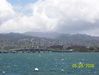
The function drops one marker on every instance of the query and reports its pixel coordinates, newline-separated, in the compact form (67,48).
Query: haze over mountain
(52,35)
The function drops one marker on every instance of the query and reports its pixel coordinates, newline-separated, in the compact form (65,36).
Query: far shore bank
(41,51)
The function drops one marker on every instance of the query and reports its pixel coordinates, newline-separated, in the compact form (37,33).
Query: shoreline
(42,51)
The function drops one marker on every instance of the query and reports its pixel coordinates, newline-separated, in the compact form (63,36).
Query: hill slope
(16,40)
(68,39)
(81,39)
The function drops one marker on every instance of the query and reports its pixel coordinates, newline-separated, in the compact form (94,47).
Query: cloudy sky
(65,16)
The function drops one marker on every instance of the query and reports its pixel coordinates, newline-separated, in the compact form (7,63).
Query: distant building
(56,46)
(76,46)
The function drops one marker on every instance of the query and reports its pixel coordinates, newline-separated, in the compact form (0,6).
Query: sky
(62,16)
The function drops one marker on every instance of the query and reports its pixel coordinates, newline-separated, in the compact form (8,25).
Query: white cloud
(51,15)
(6,10)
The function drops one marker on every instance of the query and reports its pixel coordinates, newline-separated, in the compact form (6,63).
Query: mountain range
(41,40)
(82,39)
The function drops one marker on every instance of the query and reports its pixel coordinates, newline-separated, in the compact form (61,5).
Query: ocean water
(48,63)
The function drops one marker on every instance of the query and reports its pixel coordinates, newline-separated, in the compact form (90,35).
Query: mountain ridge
(17,40)
(82,39)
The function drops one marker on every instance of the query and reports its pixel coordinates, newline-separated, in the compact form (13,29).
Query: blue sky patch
(21,2)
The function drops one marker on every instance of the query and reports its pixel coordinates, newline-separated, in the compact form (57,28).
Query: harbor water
(49,63)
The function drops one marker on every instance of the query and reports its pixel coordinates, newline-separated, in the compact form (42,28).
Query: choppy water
(48,63)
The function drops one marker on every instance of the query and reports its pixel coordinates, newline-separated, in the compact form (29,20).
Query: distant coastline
(42,51)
